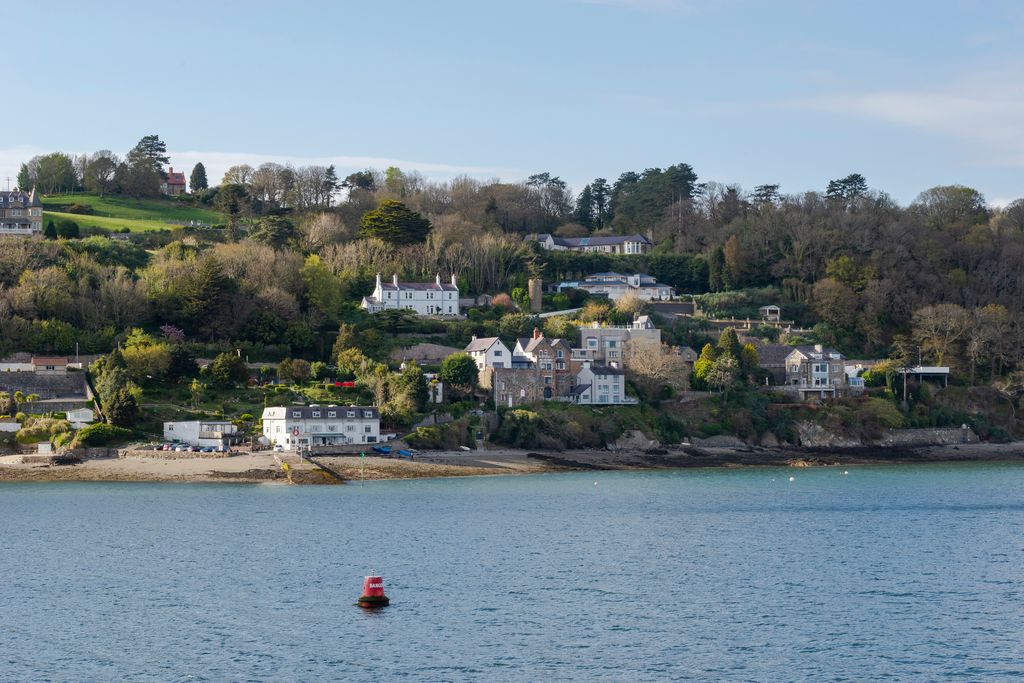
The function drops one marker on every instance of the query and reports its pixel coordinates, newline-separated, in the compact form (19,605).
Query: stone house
(21,213)
(175,183)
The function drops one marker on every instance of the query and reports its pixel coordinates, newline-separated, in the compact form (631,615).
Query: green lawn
(115,213)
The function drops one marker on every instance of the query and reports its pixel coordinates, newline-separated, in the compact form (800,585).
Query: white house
(80,417)
(489,352)
(601,385)
(202,433)
(50,365)
(300,426)
(425,298)
(615,286)
(9,424)
(606,244)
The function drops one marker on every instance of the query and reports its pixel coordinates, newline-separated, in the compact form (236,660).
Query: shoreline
(263,468)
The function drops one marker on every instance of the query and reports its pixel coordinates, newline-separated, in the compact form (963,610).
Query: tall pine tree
(197,181)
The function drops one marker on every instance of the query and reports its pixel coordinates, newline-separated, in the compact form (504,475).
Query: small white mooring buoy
(792,478)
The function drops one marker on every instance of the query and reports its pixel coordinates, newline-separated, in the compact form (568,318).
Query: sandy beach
(265,468)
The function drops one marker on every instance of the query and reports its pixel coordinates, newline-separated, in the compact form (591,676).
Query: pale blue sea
(885,573)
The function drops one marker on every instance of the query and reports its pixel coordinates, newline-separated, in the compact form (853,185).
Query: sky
(911,94)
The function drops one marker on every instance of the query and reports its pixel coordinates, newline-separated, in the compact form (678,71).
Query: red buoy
(373,592)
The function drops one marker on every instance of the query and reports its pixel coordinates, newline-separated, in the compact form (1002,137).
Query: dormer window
(316,413)
(351,413)
(296,413)
(332,413)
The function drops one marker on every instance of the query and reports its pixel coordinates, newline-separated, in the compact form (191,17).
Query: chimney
(378,281)
(454,283)
(437,279)
(536,333)
(394,279)
(818,348)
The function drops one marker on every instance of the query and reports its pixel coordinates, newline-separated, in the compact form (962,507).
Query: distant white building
(9,424)
(489,352)
(615,286)
(80,417)
(202,433)
(605,244)
(600,385)
(424,298)
(299,426)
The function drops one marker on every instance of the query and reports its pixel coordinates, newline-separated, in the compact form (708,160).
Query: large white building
(300,426)
(202,433)
(615,286)
(425,298)
(605,244)
(489,352)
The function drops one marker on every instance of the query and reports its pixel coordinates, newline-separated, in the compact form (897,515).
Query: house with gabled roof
(21,213)
(175,183)
(489,352)
(423,298)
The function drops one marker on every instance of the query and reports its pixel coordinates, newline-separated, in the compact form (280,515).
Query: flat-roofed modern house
(21,213)
(605,344)
(294,427)
(606,244)
(423,298)
(202,433)
(615,286)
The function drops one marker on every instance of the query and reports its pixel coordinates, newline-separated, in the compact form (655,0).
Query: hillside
(117,213)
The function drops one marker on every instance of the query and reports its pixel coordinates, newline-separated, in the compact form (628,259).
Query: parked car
(278,448)
(206,449)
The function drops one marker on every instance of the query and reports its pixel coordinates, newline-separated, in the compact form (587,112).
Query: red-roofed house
(49,364)
(175,183)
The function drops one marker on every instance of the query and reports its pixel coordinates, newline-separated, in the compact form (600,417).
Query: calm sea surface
(887,573)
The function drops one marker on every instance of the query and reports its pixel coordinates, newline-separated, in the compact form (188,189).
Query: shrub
(101,435)
(82,209)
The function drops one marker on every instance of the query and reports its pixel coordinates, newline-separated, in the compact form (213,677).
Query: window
(350,428)
(332,413)
(351,413)
(367,413)
(559,354)
(316,413)
(296,413)
(561,365)
(330,428)
(611,343)
(591,343)
(497,352)
(547,380)
(367,429)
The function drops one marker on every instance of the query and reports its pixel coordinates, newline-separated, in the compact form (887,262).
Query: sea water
(857,573)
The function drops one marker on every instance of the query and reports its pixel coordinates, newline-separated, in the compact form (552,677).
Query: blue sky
(911,94)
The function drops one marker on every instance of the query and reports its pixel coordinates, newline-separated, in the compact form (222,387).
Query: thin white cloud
(642,5)
(986,118)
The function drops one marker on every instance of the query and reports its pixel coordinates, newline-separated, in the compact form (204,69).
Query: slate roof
(419,286)
(307,412)
(596,241)
(481,344)
(605,370)
(773,355)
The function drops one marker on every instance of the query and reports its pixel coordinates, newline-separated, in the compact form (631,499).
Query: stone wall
(70,384)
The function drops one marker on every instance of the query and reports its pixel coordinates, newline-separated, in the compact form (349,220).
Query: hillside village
(295,310)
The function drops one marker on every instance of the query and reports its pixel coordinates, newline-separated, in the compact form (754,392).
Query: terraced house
(21,213)
(423,298)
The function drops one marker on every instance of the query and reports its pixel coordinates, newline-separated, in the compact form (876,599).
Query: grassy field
(116,213)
